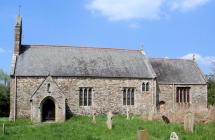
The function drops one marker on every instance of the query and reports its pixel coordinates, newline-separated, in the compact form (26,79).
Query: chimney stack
(18,35)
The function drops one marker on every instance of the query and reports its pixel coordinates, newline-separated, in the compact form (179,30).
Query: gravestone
(127,112)
(189,122)
(165,119)
(142,134)
(173,136)
(151,112)
(109,120)
(3,129)
(150,115)
(94,118)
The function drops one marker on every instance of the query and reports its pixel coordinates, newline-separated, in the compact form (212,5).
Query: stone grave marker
(142,134)
(189,122)
(109,120)
(173,136)
(128,114)
(94,118)
(150,115)
(3,129)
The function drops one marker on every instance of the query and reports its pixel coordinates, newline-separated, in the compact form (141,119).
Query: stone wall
(106,96)
(175,111)
(44,92)
(198,96)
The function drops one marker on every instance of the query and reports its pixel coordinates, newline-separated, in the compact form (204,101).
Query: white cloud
(126,9)
(185,5)
(140,9)
(206,60)
(135,26)
(2,50)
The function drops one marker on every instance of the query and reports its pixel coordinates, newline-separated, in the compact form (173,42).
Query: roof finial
(194,57)
(142,49)
(20,9)
(142,46)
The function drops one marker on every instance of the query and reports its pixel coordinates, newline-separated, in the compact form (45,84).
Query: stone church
(51,83)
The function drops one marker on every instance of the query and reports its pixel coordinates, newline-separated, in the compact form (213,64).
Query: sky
(163,28)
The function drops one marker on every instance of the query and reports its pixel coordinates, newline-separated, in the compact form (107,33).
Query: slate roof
(179,71)
(39,60)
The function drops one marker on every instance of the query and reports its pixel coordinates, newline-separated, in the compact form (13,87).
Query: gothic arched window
(143,87)
(147,86)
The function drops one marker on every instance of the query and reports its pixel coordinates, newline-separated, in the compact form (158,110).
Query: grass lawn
(81,128)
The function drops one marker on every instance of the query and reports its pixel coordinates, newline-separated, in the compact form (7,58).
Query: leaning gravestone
(165,119)
(189,122)
(142,134)
(173,136)
(127,112)
(109,120)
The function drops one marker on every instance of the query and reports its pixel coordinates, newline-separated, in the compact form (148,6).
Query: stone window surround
(89,102)
(132,95)
(48,88)
(145,86)
(183,95)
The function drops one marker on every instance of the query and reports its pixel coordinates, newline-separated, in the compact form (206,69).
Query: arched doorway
(48,110)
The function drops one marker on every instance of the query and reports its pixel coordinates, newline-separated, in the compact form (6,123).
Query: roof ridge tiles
(82,47)
(171,59)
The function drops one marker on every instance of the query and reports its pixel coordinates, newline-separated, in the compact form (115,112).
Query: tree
(214,69)
(211,92)
(4,77)
(4,101)
(211,87)
(4,94)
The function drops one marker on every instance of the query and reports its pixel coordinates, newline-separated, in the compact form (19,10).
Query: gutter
(169,83)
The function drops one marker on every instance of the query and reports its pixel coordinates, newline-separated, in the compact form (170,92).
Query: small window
(183,95)
(143,87)
(132,97)
(147,86)
(81,96)
(48,88)
(85,96)
(124,96)
(90,97)
(128,96)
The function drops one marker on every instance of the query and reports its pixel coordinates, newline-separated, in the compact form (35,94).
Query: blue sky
(167,28)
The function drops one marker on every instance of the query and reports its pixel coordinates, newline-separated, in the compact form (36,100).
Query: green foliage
(211,92)
(4,94)
(81,128)
(4,77)
(4,101)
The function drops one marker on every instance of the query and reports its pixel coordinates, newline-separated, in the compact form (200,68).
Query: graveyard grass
(81,128)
